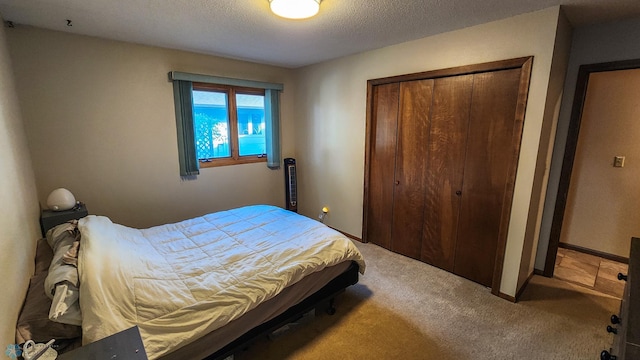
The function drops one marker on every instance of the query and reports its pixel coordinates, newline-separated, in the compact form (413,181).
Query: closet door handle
(397,182)
(458,192)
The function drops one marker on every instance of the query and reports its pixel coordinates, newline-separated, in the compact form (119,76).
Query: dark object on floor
(626,329)
(125,345)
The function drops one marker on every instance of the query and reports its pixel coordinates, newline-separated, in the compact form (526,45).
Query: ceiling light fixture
(295,9)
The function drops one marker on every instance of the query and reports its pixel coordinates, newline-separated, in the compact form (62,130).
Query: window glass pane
(251,140)
(211,122)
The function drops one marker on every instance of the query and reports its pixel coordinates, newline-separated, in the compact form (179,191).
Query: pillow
(65,307)
(33,321)
(61,285)
(44,255)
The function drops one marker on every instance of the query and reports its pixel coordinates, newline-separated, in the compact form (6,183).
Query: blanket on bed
(179,281)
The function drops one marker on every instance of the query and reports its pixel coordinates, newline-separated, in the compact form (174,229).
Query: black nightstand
(50,218)
(125,345)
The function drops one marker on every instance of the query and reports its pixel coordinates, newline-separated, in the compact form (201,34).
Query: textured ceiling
(246,29)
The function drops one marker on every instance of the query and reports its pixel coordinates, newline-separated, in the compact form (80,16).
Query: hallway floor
(590,271)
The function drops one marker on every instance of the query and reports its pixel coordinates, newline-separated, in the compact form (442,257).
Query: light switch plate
(618,161)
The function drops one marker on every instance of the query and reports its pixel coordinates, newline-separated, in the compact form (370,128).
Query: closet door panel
(382,164)
(445,158)
(411,166)
(489,158)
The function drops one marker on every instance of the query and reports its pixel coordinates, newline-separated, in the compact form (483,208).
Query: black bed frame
(323,296)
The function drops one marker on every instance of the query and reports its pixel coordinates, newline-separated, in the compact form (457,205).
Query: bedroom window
(229,124)
(222,121)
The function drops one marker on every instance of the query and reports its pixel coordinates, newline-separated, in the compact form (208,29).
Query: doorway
(565,205)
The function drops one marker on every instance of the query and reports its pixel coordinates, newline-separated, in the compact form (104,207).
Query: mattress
(178,282)
(290,296)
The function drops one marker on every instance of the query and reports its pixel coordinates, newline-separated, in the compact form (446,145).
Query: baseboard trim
(603,255)
(519,293)
(538,272)
(526,282)
(352,237)
(506,297)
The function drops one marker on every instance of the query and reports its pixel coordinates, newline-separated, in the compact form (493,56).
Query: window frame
(232,111)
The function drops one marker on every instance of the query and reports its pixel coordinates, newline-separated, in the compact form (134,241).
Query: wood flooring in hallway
(590,271)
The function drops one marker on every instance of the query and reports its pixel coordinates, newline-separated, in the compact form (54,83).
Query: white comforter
(177,282)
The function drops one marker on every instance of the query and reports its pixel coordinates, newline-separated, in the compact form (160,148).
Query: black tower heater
(291,184)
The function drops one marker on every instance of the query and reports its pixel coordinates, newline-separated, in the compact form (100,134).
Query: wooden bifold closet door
(445,156)
(442,151)
(410,169)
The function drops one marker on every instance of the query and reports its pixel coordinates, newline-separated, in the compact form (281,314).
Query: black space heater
(291,184)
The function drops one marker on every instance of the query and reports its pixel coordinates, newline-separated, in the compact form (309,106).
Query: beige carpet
(404,309)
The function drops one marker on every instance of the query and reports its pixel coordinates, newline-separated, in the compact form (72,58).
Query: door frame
(525,64)
(575,120)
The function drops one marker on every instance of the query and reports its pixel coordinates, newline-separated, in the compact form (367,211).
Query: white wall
(100,120)
(590,45)
(543,163)
(19,214)
(331,107)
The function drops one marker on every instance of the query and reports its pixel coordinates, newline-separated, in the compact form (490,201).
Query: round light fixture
(295,9)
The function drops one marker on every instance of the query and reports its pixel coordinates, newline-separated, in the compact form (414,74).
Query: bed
(204,287)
